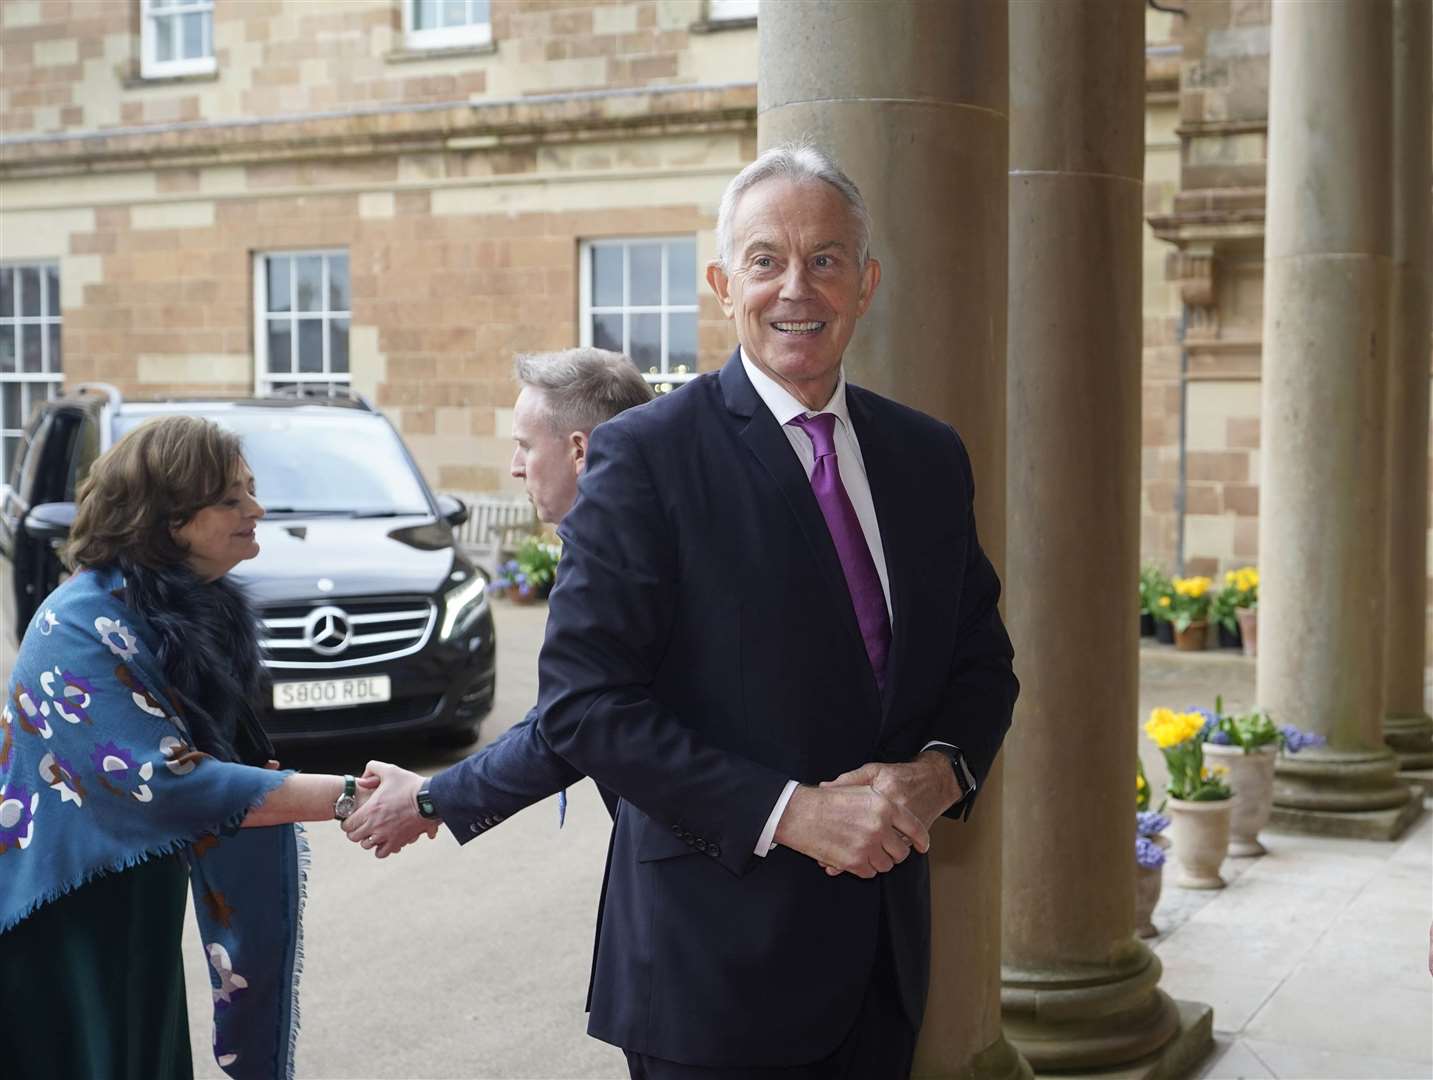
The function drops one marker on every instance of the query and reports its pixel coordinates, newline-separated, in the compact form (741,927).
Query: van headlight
(462,605)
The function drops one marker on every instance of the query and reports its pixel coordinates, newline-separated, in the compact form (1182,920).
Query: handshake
(864,822)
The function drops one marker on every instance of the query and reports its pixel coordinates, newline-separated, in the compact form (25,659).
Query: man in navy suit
(564,396)
(774,637)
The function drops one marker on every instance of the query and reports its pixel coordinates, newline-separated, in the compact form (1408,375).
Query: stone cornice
(576,117)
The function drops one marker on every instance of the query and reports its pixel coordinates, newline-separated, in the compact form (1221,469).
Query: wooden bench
(496,525)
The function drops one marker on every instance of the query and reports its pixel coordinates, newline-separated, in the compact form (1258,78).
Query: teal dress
(92,984)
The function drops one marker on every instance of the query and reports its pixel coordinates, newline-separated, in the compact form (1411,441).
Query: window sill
(716,26)
(137,81)
(410,55)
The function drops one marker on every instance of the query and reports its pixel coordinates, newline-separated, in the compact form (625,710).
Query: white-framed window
(447,24)
(301,312)
(639,297)
(30,360)
(728,10)
(176,37)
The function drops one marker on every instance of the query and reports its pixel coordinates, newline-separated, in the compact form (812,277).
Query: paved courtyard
(472,962)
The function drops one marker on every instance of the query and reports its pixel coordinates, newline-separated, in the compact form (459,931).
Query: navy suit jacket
(514,771)
(701,650)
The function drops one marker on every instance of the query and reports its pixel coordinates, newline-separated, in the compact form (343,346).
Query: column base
(1387,824)
(1332,781)
(1410,737)
(1176,1059)
(1084,1019)
(1420,780)
(998,1061)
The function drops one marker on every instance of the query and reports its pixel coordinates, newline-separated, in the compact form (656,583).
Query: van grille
(339,634)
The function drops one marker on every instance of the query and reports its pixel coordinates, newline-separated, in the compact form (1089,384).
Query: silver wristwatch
(346,804)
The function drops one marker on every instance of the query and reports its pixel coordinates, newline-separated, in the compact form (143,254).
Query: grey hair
(798,161)
(582,387)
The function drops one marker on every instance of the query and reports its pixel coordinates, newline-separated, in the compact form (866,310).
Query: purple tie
(856,563)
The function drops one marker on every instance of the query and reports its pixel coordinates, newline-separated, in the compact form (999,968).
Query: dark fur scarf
(208,643)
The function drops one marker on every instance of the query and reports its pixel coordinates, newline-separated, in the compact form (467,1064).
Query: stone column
(1407,728)
(910,98)
(1081,991)
(1323,514)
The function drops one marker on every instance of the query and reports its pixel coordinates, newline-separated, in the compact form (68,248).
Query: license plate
(332,693)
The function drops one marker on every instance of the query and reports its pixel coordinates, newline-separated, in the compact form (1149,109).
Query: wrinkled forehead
(780,211)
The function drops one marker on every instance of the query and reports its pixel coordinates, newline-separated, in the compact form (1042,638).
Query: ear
(577,447)
(870,278)
(721,285)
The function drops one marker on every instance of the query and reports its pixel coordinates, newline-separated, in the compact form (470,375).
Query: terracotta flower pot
(1148,883)
(1251,778)
(1249,629)
(1200,831)
(1192,638)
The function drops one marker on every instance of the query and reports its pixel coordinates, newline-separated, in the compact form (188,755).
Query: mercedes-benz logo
(327,630)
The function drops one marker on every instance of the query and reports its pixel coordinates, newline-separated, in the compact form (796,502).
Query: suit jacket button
(701,844)
(677,829)
(714,851)
(474,829)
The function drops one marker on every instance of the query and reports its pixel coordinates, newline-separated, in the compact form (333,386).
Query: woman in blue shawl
(131,765)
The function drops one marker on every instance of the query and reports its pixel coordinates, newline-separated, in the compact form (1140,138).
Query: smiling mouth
(799,329)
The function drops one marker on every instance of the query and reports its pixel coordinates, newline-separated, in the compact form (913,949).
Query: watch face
(345,806)
(425,805)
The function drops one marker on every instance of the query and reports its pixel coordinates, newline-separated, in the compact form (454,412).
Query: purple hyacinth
(1219,738)
(1296,740)
(1150,823)
(1147,853)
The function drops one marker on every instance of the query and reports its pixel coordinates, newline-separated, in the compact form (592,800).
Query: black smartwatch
(964,778)
(426,809)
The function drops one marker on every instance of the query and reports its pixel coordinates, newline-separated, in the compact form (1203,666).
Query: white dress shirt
(858,489)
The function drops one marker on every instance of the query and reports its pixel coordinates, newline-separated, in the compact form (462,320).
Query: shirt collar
(784,406)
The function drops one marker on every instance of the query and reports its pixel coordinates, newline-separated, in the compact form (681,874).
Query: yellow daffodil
(1193,587)
(1165,601)
(1139,783)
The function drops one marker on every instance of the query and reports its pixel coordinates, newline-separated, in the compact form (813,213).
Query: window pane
(10,407)
(53,330)
(338,283)
(164,38)
(606,275)
(280,359)
(30,290)
(311,345)
(425,14)
(645,261)
(338,345)
(7,291)
(155,5)
(278,275)
(309,271)
(8,448)
(7,350)
(30,348)
(607,332)
(194,35)
(682,342)
(647,343)
(482,11)
(455,12)
(52,290)
(33,394)
(682,272)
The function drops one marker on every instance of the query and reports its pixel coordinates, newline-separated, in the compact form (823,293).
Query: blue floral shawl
(98,773)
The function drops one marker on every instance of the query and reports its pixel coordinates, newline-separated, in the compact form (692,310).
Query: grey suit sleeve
(513,772)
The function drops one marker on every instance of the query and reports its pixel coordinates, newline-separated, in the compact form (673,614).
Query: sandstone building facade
(208,197)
